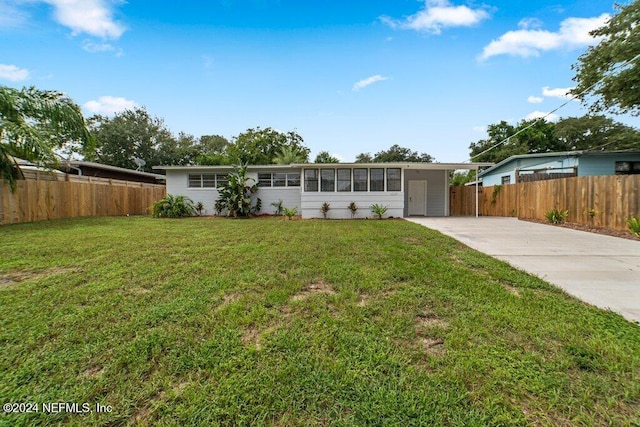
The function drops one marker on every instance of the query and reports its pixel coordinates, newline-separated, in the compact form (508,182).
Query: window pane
(208,180)
(311,180)
(293,179)
(377,180)
(264,180)
(222,179)
(195,180)
(393,179)
(328,180)
(344,179)
(359,180)
(279,179)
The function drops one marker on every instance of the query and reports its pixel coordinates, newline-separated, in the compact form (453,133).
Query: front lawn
(208,321)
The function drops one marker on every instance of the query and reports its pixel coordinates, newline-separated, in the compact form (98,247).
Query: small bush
(173,207)
(289,213)
(325,209)
(353,208)
(556,216)
(379,210)
(634,225)
(199,208)
(278,208)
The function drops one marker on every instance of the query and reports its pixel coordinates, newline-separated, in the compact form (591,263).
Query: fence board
(36,200)
(614,199)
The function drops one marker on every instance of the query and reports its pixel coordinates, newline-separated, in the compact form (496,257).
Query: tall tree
(364,158)
(260,146)
(325,157)
(33,123)
(610,70)
(213,150)
(127,135)
(596,132)
(289,155)
(397,153)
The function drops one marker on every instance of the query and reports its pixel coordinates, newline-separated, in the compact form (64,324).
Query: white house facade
(406,189)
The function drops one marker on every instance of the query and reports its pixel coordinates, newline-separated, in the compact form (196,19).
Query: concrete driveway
(601,270)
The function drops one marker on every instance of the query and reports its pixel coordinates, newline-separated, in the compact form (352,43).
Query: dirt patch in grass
(319,287)
(511,290)
(589,228)
(93,372)
(412,241)
(429,321)
(15,277)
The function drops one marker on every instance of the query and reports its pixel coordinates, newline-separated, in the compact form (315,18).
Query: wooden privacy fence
(41,200)
(601,201)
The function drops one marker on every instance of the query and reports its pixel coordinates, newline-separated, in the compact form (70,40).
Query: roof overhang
(402,165)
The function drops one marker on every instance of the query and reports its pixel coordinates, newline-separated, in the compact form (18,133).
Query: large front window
(376,180)
(394,179)
(311,180)
(327,179)
(344,179)
(360,179)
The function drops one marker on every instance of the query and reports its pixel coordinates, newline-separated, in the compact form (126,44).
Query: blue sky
(349,76)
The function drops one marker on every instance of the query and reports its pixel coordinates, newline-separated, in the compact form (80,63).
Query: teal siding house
(537,167)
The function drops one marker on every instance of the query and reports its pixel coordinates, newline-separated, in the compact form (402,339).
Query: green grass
(267,322)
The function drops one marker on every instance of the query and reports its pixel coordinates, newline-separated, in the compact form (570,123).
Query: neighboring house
(98,170)
(536,167)
(405,188)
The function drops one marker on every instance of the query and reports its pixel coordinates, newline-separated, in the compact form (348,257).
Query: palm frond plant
(237,195)
(173,207)
(33,123)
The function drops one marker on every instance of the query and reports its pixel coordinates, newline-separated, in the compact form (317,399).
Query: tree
(610,70)
(325,157)
(180,151)
(288,155)
(131,134)
(33,123)
(364,158)
(260,146)
(596,132)
(213,150)
(401,154)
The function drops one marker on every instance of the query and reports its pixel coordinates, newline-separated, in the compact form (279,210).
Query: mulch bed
(590,229)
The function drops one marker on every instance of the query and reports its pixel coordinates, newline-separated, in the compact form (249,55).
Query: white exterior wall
(338,202)
(178,184)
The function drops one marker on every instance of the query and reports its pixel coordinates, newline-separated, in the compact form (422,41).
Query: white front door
(417,198)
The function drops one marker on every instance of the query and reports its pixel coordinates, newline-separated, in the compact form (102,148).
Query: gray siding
(437,190)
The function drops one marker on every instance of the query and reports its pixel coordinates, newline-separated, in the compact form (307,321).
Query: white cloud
(539,114)
(557,92)
(94,17)
(92,47)
(527,42)
(10,15)
(13,73)
(109,105)
(439,14)
(535,99)
(369,81)
(530,24)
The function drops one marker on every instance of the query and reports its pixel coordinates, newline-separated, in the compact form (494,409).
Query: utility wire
(573,98)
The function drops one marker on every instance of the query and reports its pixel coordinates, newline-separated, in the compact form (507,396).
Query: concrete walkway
(601,270)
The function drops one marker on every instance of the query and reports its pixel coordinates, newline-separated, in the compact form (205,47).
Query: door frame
(410,195)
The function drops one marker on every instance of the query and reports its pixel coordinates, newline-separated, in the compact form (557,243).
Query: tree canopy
(395,153)
(261,146)
(33,123)
(609,72)
(589,132)
(325,157)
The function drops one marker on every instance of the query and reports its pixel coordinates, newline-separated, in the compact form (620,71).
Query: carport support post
(477,191)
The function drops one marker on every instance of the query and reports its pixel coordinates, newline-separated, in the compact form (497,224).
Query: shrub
(556,216)
(379,210)
(278,207)
(237,195)
(173,207)
(199,208)
(325,209)
(289,213)
(353,208)
(634,225)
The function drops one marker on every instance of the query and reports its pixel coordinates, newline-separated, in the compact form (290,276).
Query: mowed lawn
(207,321)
